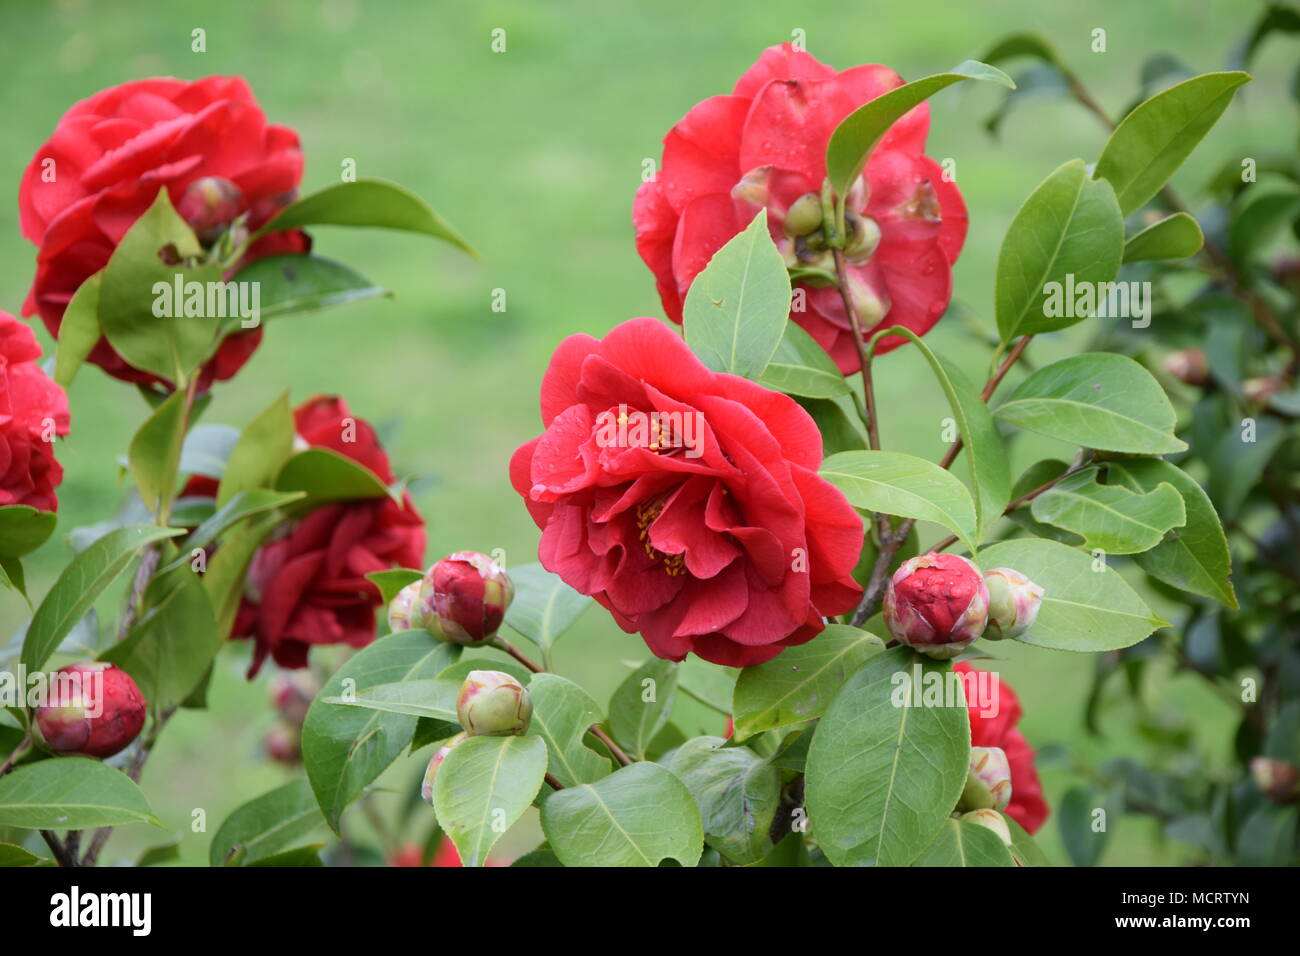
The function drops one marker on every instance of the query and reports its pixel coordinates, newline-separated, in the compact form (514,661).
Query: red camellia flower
(206,142)
(308,586)
(1027,807)
(685,501)
(33,409)
(764,146)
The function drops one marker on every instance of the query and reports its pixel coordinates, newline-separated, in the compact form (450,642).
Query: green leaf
(960,843)
(346,748)
(986,454)
(562,712)
(801,367)
(1259,222)
(711,684)
(245,504)
(1023,848)
(1174,237)
(226,575)
(738,794)
(168,346)
(1239,459)
(544,606)
(328,476)
(298,856)
(23,529)
(1075,817)
(171,647)
(1087,605)
(70,793)
(1196,558)
(292,284)
(155,451)
(859,132)
(159,854)
(14,577)
(799,684)
(838,432)
(367,202)
(206,450)
(266,825)
(1098,400)
(79,584)
(737,309)
(483,786)
(263,448)
(884,771)
(642,704)
(640,815)
(12,855)
(903,485)
(392,581)
(78,331)
(1150,144)
(1070,226)
(434,698)
(1111,518)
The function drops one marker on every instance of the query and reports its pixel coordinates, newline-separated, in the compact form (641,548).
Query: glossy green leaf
(263,448)
(328,476)
(799,684)
(1175,237)
(70,793)
(640,815)
(1087,605)
(859,132)
(884,770)
(1150,144)
(711,684)
(737,309)
(12,855)
(959,843)
(292,284)
(1023,848)
(738,794)
(266,825)
(155,451)
(433,697)
(78,331)
(801,367)
(903,485)
(544,606)
(23,529)
(78,586)
(483,786)
(1098,400)
(367,202)
(392,581)
(642,704)
(562,712)
(1111,518)
(244,505)
(1069,231)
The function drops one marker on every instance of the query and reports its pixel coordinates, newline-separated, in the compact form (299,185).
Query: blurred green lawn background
(534,154)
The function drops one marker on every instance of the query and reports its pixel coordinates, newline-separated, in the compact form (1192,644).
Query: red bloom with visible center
(33,409)
(206,142)
(309,585)
(1027,807)
(687,502)
(764,146)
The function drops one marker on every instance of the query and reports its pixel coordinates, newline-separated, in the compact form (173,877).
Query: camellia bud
(1189,366)
(990,819)
(292,693)
(804,216)
(284,745)
(426,786)
(1279,780)
(94,709)
(988,783)
(864,236)
(1014,601)
(209,205)
(494,704)
(463,598)
(404,609)
(937,604)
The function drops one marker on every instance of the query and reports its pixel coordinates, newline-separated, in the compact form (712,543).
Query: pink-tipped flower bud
(1189,366)
(1279,780)
(988,783)
(209,205)
(284,745)
(404,609)
(494,704)
(990,819)
(94,709)
(292,693)
(1014,601)
(463,598)
(937,604)
(426,785)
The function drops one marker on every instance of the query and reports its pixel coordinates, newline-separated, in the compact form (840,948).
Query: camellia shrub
(720,489)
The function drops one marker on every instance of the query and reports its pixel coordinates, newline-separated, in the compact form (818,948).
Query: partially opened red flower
(685,501)
(33,410)
(764,146)
(1027,807)
(206,142)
